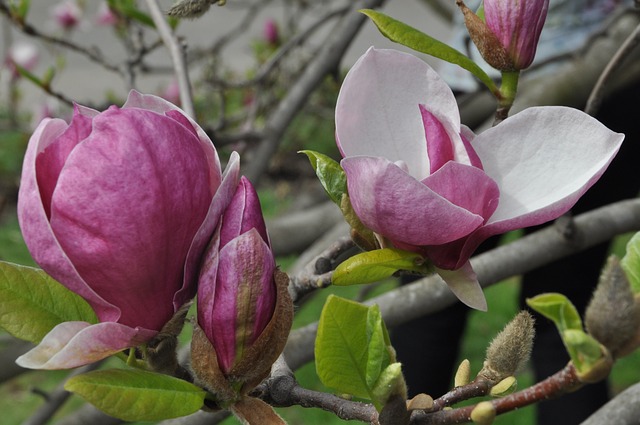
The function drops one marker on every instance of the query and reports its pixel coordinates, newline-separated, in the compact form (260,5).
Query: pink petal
(35,227)
(464,284)
(243,213)
(136,214)
(439,144)
(162,106)
(244,297)
(394,204)
(73,344)
(377,111)
(217,207)
(467,187)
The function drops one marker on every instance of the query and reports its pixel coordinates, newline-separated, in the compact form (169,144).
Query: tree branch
(325,62)
(431,294)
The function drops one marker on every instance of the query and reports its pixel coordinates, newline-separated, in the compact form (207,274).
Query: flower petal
(217,207)
(439,146)
(244,295)
(157,104)
(377,111)
(94,202)
(73,344)
(464,284)
(392,203)
(543,160)
(467,187)
(36,229)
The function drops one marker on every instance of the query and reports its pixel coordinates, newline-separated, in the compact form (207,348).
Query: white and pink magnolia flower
(119,207)
(426,183)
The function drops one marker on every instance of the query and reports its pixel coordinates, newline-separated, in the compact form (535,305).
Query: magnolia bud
(510,349)
(613,316)
(508,37)
(244,308)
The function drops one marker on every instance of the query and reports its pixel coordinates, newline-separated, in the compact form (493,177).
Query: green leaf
(352,350)
(373,266)
(20,8)
(557,308)
(406,35)
(137,395)
(331,175)
(128,9)
(583,349)
(391,381)
(32,303)
(631,263)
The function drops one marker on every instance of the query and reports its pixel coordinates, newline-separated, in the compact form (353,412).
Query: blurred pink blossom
(67,14)
(23,54)
(270,32)
(106,17)
(172,92)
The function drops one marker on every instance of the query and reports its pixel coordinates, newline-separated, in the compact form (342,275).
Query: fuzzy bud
(613,315)
(192,9)
(510,349)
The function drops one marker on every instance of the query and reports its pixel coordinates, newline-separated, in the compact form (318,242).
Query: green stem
(508,91)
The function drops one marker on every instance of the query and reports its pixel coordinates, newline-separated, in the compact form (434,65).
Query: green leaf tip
(137,395)
(33,303)
(330,174)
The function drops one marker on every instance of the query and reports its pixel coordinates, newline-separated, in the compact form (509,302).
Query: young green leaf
(630,263)
(557,308)
(406,35)
(583,349)
(32,303)
(137,395)
(330,174)
(373,266)
(353,351)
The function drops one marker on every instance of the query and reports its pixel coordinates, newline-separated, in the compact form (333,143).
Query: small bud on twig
(484,413)
(463,374)
(504,387)
(192,9)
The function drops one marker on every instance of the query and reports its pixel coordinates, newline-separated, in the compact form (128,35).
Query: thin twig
(177,57)
(597,94)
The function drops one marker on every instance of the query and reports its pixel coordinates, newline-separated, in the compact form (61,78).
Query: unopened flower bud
(508,37)
(271,33)
(613,315)
(510,349)
(244,308)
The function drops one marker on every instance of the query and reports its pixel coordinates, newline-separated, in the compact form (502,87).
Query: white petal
(464,284)
(543,160)
(378,113)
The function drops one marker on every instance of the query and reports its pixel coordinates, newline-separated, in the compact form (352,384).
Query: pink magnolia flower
(119,206)
(518,25)
(426,183)
(244,308)
(23,54)
(67,14)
